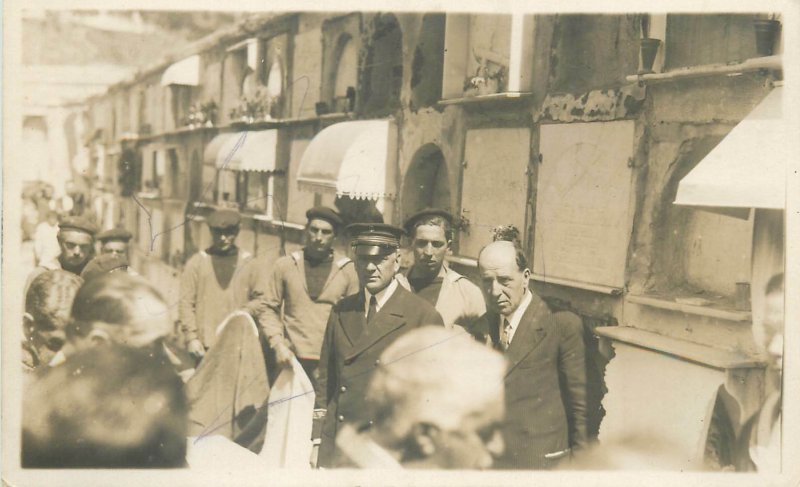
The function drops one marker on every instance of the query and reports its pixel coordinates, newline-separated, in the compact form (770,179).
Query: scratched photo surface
(402,240)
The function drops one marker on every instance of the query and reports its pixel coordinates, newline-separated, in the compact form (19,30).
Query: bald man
(546,417)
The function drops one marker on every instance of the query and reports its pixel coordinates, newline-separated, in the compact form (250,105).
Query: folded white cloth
(287,443)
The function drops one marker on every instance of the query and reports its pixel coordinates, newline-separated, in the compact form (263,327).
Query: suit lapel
(530,333)
(353,320)
(388,319)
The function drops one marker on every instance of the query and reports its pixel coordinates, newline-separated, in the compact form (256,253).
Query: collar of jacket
(338,259)
(449,275)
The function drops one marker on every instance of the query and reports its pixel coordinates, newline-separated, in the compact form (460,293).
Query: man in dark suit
(546,380)
(359,329)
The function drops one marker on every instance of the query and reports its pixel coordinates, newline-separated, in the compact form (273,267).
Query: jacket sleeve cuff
(316,425)
(276,340)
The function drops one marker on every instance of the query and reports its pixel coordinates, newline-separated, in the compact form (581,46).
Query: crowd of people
(416,367)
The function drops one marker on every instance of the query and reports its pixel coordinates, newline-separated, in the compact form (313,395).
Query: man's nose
(496,288)
(428,250)
(496,445)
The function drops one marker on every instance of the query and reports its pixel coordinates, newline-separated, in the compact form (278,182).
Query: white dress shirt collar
(517,315)
(381,297)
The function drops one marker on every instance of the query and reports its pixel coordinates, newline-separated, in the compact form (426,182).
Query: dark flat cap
(103,264)
(324,213)
(78,223)
(426,213)
(374,238)
(115,234)
(222,219)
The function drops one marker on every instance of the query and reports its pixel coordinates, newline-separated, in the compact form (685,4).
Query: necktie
(373,308)
(505,338)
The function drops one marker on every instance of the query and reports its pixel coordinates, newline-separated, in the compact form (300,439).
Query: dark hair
(775,284)
(106,407)
(110,298)
(510,233)
(50,297)
(436,221)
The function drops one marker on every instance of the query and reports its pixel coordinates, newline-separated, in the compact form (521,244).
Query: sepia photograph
(300,244)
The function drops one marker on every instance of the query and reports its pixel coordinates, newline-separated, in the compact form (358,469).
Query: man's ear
(526,274)
(99,337)
(28,324)
(424,437)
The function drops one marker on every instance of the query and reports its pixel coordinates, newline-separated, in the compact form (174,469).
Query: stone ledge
(682,349)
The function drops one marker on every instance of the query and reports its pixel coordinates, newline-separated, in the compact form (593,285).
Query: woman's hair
(110,299)
(424,376)
(50,297)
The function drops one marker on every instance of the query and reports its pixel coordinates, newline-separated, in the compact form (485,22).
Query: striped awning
(243,151)
(747,169)
(354,159)
(185,72)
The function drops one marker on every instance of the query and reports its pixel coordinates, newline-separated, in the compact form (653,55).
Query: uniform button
(377,362)
(343,388)
(340,418)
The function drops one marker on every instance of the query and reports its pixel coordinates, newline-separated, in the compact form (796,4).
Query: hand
(196,349)
(283,355)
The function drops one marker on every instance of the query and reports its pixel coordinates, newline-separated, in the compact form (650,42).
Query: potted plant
(648,47)
(766,32)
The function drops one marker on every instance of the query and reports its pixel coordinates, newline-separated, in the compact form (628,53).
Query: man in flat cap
(455,297)
(215,282)
(359,329)
(301,290)
(115,241)
(76,241)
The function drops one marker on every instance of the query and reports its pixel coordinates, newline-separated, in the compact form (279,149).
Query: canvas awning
(748,168)
(185,72)
(354,159)
(243,151)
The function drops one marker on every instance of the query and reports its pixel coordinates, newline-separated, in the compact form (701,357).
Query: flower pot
(766,31)
(649,49)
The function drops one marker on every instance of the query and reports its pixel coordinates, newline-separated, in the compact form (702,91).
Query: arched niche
(383,68)
(346,77)
(427,181)
(428,62)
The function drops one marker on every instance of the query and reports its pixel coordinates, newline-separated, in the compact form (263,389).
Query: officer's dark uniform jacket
(350,352)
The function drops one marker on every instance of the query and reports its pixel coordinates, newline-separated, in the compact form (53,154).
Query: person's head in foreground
(104,264)
(768,333)
(377,255)
(504,272)
(106,407)
(437,400)
(117,308)
(47,310)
